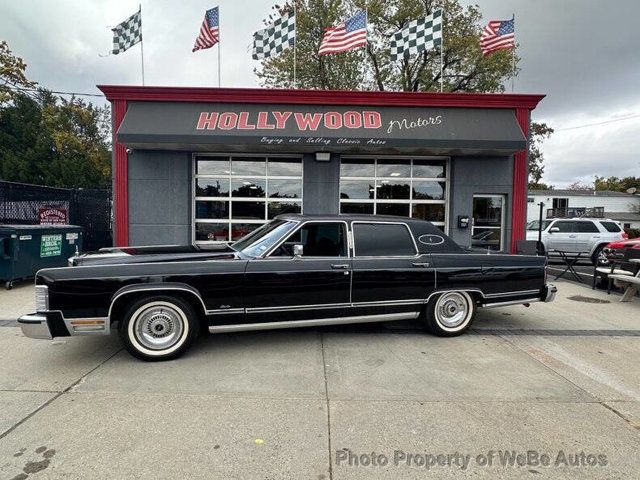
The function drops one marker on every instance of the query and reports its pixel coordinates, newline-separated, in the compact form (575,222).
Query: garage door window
(235,195)
(405,187)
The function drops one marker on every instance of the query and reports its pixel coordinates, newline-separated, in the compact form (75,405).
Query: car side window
(587,227)
(322,239)
(611,227)
(564,226)
(382,240)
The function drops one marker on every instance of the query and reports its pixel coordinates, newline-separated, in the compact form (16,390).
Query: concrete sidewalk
(558,379)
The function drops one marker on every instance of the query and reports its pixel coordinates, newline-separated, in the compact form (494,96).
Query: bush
(633,232)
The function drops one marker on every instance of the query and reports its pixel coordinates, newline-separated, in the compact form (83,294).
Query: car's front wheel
(449,313)
(159,328)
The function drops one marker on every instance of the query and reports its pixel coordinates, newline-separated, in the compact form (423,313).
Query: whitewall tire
(159,328)
(450,313)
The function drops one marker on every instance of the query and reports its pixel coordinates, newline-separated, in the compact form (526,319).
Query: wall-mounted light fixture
(323,157)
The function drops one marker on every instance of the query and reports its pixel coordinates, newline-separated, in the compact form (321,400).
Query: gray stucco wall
(471,176)
(321,185)
(159,198)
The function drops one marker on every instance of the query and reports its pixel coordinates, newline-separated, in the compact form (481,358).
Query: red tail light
(625,236)
(615,245)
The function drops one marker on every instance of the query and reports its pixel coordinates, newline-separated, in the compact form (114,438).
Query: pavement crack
(326,396)
(631,423)
(57,395)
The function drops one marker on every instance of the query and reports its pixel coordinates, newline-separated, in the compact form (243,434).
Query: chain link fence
(22,204)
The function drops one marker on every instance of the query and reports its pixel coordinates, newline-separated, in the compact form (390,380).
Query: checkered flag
(419,35)
(128,33)
(275,38)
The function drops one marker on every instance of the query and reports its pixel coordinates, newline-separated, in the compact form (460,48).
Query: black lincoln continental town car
(295,271)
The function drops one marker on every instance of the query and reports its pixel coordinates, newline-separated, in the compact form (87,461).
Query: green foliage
(47,140)
(540,186)
(465,68)
(617,184)
(51,141)
(578,185)
(538,132)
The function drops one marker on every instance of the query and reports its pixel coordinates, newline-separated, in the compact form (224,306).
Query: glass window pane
(587,227)
(394,168)
(280,208)
(285,167)
(382,240)
(285,188)
(252,187)
(487,211)
(212,187)
(208,232)
(486,238)
(248,210)
(357,208)
(433,212)
(248,166)
(390,190)
(206,209)
(564,226)
(428,190)
(398,209)
(356,189)
(357,167)
(239,230)
(428,169)
(218,166)
(317,240)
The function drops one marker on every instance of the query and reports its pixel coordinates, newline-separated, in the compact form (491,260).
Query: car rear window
(610,226)
(382,240)
(587,227)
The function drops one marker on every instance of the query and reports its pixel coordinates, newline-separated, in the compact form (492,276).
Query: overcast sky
(583,54)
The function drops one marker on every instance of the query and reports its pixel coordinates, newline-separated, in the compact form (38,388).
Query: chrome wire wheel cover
(453,309)
(159,326)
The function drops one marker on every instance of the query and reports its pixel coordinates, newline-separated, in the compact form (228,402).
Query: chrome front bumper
(550,293)
(48,325)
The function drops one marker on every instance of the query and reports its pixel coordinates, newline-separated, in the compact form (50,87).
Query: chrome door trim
(314,322)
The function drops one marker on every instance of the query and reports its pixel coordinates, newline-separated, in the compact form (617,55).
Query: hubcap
(452,309)
(159,327)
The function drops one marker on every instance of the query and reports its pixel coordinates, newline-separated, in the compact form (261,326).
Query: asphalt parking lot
(557,383)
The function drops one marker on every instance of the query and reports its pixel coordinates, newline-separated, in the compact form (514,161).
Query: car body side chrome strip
(313,323)
(512,302)
(511,294)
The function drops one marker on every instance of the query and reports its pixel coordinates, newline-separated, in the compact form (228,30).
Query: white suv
(576,234)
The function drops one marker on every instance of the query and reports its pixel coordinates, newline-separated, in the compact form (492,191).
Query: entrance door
(488,222)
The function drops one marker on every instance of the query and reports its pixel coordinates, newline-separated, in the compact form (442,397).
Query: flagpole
(513,55)
(442,56)
(141,44)
(219,46)
(295,44)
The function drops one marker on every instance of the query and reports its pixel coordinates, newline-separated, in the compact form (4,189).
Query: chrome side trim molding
(512,294)
(224,311)
(288,308)
(158,287)
(512,302)
(313,323)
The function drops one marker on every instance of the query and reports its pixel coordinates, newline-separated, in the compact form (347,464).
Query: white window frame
(230,221)
(410,201)
(503,217)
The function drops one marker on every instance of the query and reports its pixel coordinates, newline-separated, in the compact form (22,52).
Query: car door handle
(420,264)
(339,266)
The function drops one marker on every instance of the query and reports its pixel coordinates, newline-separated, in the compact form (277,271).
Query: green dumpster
(25,249)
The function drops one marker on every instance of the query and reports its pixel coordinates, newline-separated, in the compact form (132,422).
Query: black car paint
(238,289)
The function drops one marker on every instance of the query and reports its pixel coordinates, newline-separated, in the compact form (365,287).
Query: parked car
(295,271)
(616,249)
(586,235)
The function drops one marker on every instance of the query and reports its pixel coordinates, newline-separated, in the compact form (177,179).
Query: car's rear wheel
(596,257)
(159,328)
(449,313)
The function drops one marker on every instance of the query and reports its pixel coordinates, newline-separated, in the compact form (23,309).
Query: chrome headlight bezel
(42,298)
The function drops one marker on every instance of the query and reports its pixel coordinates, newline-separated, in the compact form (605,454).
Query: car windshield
(263,238)
(536,223)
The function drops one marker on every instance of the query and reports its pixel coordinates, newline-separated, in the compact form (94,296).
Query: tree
(617,184)
(579,186)
(538,132)
(12,74)
(371,68)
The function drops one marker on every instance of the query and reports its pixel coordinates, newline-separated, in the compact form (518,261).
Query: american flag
(350,34)
(209,31)
(498,35)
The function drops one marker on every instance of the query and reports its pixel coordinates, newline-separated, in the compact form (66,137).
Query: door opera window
(234,195)
(395,186)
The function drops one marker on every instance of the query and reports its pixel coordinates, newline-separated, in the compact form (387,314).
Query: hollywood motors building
(203,165)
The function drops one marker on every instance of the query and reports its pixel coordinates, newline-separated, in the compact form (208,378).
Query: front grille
(42,298)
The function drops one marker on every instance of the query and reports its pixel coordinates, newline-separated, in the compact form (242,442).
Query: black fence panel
(22,203)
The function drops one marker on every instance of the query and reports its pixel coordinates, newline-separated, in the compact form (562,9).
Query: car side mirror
(554,230)
(298,250)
